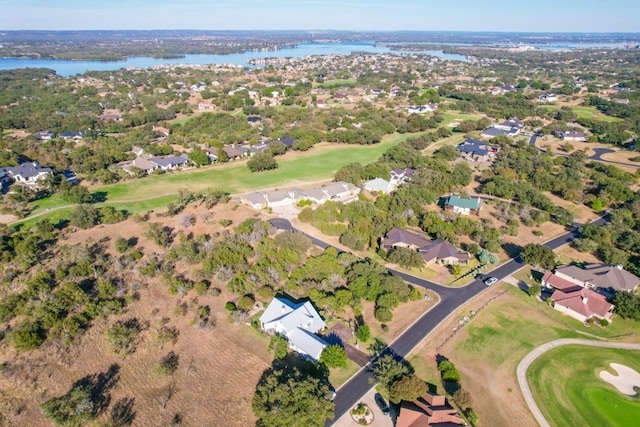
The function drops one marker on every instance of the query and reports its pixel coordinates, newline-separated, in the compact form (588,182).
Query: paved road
(450,300)
(539,351)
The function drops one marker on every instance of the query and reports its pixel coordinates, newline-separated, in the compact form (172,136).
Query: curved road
(539,351)
(450,300)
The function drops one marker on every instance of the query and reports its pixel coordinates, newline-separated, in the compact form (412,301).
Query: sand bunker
(625,381)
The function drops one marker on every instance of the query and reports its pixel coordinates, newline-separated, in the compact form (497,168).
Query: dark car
(382,404)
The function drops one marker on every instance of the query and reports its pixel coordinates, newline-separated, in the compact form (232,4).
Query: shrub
(604,322)
(383,314)
(363,333)
(201,288)
(334,356)
(122,244)
(230,307)
(246,303)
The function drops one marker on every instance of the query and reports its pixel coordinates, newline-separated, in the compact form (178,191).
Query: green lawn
(328,84)
(566,384)
(451,116)
(586,113)
(156,191)
(338,376)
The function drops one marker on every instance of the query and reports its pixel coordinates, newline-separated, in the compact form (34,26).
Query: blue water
(70,68)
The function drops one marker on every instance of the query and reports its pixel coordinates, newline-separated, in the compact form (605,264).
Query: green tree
(28,335)
(199,157)
(627,305)
(540,255)
(407,388)
(363,333)
(122,244)
(387,369)
(278,346)
(84,216)
(262,162)
(121,337)
(75,408)
(290,397)
(334,356)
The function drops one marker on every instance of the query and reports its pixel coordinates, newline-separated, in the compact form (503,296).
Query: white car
(490,281)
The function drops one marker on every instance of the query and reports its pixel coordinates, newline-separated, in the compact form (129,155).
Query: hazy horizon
(571,16)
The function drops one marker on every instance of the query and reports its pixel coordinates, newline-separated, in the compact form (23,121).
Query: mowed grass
(567,387)
(490,347)
(586,113)
(319,163)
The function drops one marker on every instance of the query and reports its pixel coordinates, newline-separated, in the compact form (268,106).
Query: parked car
(382,404)
(490,281)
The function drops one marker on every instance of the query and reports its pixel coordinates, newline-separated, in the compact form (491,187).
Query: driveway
(379,420)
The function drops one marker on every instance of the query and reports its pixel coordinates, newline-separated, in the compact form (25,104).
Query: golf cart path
(523,366)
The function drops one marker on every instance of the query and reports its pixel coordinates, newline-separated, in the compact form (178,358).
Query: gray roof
(603,276)
(26,170)
(169,161)
(337,188)
(441,249)
(307,343)
(378,184)
(398,235)
(491,132)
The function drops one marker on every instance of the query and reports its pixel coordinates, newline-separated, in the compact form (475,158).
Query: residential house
(232,153)
(315,195)
(572,135)
(70,136)
(379,185)
(582,303)
(548,97)
(29,173)
(145,164)
(421,109)
(510,127)
(298,322)
(138,151)
(604,278)
(401,175)
(340,191)
(442,252)
(170,162)
(477,151)
(398,237)
(44,135)
(212,154)
(257,199)
(426,411)
(288,141)
(463,205)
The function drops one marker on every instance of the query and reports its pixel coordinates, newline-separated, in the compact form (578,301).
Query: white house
(299,323)
(379,185)
(29,173)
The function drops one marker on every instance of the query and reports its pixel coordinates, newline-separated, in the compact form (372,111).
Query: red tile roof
(558,282)
(426,411)
(583,301)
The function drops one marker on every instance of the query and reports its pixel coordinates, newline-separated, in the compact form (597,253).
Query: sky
(383,15)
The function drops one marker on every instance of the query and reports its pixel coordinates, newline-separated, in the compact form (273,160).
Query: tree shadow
(122,413)
(100,386)
(512,249)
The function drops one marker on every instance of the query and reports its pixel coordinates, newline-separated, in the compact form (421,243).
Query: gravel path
(539,351)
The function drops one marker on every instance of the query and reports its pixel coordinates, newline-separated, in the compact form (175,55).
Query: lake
(71,67)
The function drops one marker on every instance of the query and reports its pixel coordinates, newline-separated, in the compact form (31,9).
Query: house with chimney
(426,411)
(605,279)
